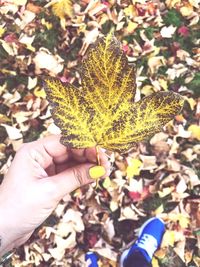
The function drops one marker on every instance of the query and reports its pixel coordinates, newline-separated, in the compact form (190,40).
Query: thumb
(76,176)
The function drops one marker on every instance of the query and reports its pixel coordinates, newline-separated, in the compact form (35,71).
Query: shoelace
(148,243)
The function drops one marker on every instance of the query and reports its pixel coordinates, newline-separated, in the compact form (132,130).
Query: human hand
(41,174)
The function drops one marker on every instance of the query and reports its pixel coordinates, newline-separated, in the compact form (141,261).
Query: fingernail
(96,172)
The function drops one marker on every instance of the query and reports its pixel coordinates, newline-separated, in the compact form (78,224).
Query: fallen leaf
(155,262)
(62,8)
(181,186)
(155,63)
(167,32)
(19,2)
(76,218)
(133,167)
(194,3)
(40,92)
(13,133)
(34,8)
(32,82)
(159,210)
(25,18)
(109,228)
(180,249)
(181,218)
(186,10)
(113,206)
(2,30)
(131,27)
(184,31)
(168,239)
(137,190)
(128,213)
(4,118)
(158,137)
(195,130)
(9,48)
(45,60)
(165,191)
(149,162)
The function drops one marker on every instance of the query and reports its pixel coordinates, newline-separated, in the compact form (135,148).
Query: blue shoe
(149,240)
(91,259)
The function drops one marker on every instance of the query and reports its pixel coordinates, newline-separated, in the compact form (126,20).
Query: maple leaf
(184,31)
(102,111)
(62,8)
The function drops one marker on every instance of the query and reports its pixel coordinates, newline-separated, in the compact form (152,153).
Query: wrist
(7,241)
(7,231)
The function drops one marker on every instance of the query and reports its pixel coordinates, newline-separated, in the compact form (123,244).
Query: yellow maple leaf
(131,27)
(102,112)
(155,262)
(195,130)
(2,30)
(133,168)
(183,219)
(62,8)
(168,239)
(172,3)
(39,92)
(186,10)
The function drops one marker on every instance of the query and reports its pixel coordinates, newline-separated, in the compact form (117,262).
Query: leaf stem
(98,157)
(98,163)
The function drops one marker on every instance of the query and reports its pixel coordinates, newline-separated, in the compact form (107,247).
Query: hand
(41,174)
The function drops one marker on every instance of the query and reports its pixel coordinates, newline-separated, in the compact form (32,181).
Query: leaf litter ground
(159,176)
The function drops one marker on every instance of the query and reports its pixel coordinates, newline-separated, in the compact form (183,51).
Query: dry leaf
(102,112)
(45,60)
(128,213)
(133,167)
(2,30)
(181,186)
(39,92)
(20,2)
(168,239)
(131,27)
(32,82)
(167,32)
(195,130)
(61,8)
(4,118)
(186,10)
(34,8)
(155,262)
(180,249)
(156,62)
(13,133)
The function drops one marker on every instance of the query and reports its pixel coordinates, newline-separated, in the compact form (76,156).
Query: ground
(160,176)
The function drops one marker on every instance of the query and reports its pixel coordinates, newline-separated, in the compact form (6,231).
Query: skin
(41,174)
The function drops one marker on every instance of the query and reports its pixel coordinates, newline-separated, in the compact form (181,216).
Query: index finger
(51,144)
(60,153)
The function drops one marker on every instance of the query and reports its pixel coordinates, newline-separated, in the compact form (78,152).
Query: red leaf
(183,31)
(92,239)
(11,38)
(137,196)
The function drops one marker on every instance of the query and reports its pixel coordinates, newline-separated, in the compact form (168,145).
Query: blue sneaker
(91,259)
(149,240)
